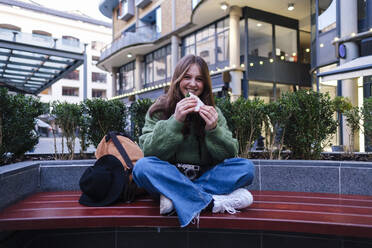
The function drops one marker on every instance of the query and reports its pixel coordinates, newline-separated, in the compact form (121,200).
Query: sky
(88,7)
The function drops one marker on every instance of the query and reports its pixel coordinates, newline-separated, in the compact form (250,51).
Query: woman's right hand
(184,107)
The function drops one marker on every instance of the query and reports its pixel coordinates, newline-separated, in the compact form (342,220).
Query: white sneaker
(166,205)
(238,199)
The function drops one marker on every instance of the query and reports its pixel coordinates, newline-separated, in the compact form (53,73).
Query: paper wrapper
(199,104)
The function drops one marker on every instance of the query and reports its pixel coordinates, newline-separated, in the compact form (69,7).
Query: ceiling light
(129,55)
(307,50)
(259,24)
(291,6)
(224,6)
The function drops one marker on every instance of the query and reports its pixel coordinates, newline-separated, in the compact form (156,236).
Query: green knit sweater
(163,139)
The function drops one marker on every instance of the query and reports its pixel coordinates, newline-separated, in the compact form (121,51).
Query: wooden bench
(316,213)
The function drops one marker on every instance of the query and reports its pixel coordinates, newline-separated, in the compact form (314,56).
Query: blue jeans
(191,197)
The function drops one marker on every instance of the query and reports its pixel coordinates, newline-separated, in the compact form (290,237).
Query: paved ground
(46,146)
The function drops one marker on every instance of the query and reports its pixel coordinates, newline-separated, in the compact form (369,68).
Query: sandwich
(199,104)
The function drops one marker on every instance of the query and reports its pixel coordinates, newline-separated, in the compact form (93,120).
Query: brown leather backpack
(128,152)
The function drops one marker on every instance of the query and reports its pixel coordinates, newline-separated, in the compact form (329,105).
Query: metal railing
(143,34)
(42,41)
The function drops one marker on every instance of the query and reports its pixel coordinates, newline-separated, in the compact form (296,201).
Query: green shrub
(17,124)
(277,116)
(247,117)
(104,116)
(342,104)
(67,117)
(353,117)
(83,131)
(138,111)
(226,107)
(311,122)
(367,118)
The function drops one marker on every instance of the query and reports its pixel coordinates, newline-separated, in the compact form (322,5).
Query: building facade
(342,55)
(257,48)
(28,19)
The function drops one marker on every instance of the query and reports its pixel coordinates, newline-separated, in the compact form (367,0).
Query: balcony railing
(43,41)
(142,3)
(143,34)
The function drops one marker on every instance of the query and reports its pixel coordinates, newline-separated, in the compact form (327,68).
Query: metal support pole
(85,77)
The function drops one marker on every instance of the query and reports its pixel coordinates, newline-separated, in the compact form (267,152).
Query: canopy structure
(359,67)
(30,63)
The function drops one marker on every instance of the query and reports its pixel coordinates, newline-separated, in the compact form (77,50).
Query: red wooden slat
(276,211)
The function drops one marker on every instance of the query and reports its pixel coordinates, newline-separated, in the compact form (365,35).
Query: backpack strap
(121,150)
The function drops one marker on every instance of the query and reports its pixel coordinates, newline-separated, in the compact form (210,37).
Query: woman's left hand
(210,116)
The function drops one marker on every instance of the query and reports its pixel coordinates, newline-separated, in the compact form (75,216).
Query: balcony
(126,10)
(142,3)
(143,34)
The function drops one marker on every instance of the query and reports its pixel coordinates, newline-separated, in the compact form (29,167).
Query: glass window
(282,89)
(149,69)
(286,44)
(98,93)
(223,40)
(74,75)
(70,91)
(242,39)
(327,15)
(98,77)
(143,70)
(159,64)
(262,90)
(127,76)
(158,20)
(169,62)
(260,38)
(205,44)
(305,44)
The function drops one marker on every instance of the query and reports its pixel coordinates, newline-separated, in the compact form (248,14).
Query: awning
(359,67)
(31,63)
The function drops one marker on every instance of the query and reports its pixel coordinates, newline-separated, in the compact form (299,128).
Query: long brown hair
(166,104)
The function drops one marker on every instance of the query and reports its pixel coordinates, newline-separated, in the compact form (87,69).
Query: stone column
(349,24)
(175,40)
(234,51)
(174,50)
(138,84)
(114,78)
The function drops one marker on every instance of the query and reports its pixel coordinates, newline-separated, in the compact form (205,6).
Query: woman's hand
(210,116)
(184,107)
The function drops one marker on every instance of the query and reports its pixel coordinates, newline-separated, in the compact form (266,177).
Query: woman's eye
(186,77)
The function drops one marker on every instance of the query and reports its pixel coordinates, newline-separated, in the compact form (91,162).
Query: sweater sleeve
(160,137)
(219,141)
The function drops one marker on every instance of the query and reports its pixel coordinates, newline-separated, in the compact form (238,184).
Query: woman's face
(192,81)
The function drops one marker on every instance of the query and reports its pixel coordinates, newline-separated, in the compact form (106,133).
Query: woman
(176,133)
